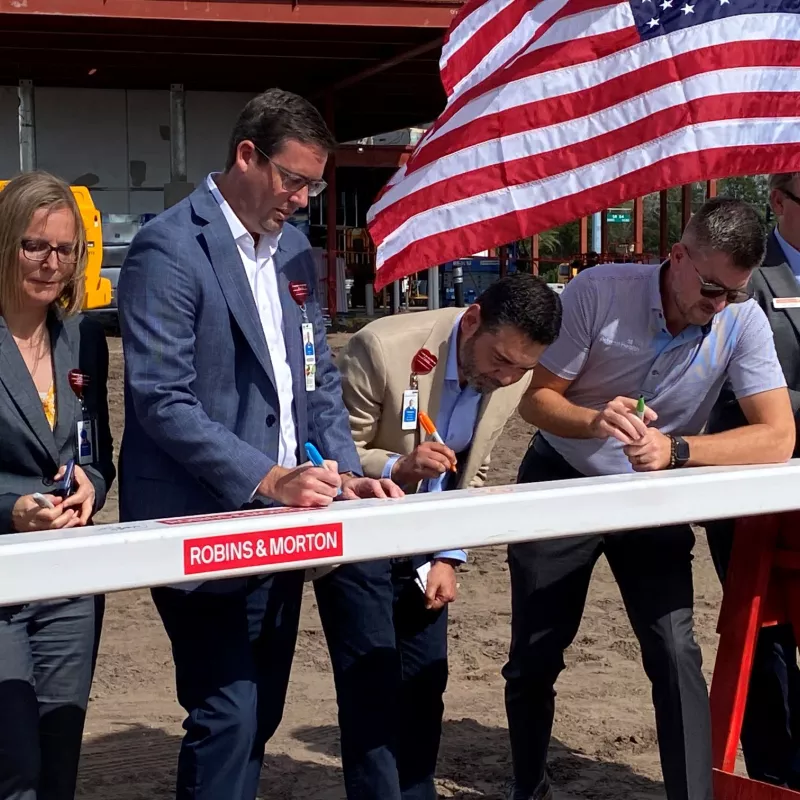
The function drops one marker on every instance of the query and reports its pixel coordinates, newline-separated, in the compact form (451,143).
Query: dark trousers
(45,675)
(549,583)
(771,727)
(233,655)
(389,657)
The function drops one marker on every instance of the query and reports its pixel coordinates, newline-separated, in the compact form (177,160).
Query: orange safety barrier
(762,588)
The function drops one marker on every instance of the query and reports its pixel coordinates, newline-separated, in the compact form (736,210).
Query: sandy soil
(604,740)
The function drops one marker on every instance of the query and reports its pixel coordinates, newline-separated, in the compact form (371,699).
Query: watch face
(682,450)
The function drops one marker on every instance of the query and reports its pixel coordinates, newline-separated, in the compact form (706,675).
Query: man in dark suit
(218,406)
(771,730)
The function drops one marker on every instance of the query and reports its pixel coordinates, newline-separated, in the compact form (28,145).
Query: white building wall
(117,141)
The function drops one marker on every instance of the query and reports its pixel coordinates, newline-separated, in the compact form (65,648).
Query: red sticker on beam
(262,548)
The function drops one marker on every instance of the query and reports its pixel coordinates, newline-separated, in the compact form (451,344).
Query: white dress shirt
(259,265)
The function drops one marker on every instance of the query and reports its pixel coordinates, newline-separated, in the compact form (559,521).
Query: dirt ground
(604,739)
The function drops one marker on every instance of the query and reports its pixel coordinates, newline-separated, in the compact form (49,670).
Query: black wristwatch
(679,451)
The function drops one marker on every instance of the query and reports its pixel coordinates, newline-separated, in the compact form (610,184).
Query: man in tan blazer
(387,637)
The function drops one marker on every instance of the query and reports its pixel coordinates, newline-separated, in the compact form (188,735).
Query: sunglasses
(713,291)
(792,196)
(291,181)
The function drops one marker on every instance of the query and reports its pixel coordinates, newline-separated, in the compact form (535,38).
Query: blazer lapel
(783,283)
(292,320)
(432,384)
(65,357)
(227,265)
(22,391)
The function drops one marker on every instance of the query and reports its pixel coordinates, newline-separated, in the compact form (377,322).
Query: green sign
(619,215)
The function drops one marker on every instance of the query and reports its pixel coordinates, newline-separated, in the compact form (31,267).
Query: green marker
(640,408)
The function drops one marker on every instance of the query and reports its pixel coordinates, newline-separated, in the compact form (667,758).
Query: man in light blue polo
(672,334)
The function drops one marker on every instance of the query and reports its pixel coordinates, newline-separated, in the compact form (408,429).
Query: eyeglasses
(713,291)
(792,196)
(38,250)
(293,182)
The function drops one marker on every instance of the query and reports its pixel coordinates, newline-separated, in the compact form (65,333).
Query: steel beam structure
(105,558)
(399,13)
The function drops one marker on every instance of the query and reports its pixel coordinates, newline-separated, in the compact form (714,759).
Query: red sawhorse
(762,588)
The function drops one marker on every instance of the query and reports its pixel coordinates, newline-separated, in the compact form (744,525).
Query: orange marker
(430,429)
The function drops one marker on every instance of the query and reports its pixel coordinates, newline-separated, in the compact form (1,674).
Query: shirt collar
(238,230)
(659,318)
(792,253)
(451,369)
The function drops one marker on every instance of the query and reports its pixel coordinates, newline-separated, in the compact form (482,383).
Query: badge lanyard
(86,426)
(422,363)
(299,292)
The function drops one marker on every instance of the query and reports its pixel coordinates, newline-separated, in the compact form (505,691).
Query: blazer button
(271,420)
(47,481)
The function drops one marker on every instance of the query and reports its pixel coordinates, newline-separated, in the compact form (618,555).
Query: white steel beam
(139,554)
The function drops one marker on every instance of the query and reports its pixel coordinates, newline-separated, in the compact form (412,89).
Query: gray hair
(782,180)
(729,226)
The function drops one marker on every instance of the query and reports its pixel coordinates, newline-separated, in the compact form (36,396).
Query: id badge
(779,303)
(86,437)
(309,356)
(410,410)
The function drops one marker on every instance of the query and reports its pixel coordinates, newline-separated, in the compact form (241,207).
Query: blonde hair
(22,197)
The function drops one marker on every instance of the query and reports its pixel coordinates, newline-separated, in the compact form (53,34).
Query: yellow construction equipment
(98,290)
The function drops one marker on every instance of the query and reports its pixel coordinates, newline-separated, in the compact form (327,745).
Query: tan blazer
(376,370)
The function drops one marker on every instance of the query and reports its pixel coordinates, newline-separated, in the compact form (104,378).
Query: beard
(484,384)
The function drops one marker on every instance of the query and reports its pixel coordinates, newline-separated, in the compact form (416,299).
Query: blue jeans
(389,657)
(233,654)
(45,673)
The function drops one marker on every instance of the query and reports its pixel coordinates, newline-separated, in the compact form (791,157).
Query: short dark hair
(274,117)
(730,226)
(524,302)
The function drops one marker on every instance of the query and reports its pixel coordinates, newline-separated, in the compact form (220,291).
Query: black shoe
(544,791)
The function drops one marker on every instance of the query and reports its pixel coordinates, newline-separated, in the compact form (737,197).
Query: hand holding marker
(430,429)
(640,408)
(315,457)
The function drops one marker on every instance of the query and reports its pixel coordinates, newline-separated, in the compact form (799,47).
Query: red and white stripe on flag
(560,108)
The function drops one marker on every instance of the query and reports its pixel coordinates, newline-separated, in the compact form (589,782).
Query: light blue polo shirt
(614,341)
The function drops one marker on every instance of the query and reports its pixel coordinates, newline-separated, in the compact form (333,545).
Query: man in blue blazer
(220,396)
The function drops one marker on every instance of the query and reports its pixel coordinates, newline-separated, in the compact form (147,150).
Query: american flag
(560,108)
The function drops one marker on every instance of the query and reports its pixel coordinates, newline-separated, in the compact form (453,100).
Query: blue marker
(315,457)
(69,472)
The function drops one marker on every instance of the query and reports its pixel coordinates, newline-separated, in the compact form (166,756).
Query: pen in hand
(430,429)
(315,457)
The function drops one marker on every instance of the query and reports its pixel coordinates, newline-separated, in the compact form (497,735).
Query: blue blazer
(201,406)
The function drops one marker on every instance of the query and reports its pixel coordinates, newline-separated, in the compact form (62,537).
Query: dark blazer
(31,452)
(774,279)
(202,419)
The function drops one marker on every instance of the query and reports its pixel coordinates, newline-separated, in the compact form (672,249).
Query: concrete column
(597,232)
(178,186)
(369,299)
(396,297)
(27,127)
(433,288)
(458,286)
(177,138)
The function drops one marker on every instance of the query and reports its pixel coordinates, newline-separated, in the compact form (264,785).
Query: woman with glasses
(55,470)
